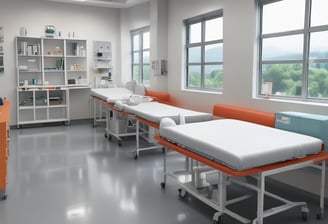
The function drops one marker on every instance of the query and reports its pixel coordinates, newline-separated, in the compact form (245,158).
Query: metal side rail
(140,134)
(219,203)
(98,109)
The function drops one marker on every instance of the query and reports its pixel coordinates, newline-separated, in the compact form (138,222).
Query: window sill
(202,91)
(307,103)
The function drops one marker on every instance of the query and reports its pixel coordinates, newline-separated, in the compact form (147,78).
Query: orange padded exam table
(148,116)
(117,124)
(234,149)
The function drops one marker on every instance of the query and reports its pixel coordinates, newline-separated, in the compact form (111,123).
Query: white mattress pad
(111,94)
(155,112)
(240,145)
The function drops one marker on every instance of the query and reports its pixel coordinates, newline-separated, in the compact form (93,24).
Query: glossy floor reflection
(73,174)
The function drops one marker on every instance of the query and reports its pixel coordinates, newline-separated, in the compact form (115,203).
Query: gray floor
(72,174)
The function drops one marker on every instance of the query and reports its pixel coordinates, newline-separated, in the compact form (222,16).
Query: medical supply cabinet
(42,105)
(304,123)
(103,55)
(4,146)
(47,68)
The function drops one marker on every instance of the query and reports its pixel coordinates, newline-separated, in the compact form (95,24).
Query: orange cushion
(158,95)
(244,114)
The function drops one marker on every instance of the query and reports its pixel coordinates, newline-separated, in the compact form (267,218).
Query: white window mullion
(306,49)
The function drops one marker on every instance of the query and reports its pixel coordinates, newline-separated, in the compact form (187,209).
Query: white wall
(91,23)
(239,58)
(132,18)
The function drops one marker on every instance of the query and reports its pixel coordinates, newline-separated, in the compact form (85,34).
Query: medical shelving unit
(47,69)
(4,146)
(103,55)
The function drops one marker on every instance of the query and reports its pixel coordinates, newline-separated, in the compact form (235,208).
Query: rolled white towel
(146,99)
(119,105)
(133,101)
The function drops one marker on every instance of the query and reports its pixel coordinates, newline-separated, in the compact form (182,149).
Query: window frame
(141,65)
(306,31)
(202,44)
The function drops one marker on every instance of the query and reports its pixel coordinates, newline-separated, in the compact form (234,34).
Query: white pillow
(139,89)
(166,122)
(130,85)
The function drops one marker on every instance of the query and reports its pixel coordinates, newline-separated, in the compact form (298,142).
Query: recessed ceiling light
(104,3)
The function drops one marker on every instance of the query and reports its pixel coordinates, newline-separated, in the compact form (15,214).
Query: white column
(158,41)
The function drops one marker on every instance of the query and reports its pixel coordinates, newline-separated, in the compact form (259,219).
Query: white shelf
(48,62)
(57,106)
(53,56)
(25,107)
(41,107)
(103,59)
(74,56)
(43,121)
(99,67)
(79,86)
(28,56)
(76,71)
(30,71)
(54,70)
(44,105)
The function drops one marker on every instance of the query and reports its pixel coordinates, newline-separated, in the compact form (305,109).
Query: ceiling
(104,3)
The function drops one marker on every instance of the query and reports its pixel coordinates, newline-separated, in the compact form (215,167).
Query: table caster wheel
(305,213)
(182,193)
(162,185)
(305,216)
(217,218)
(119,143)
(135,156)
(319,216)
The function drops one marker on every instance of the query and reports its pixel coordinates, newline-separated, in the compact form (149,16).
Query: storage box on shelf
(4,146)
(46,69)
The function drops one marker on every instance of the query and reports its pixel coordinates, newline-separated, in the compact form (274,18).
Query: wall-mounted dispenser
(159,67)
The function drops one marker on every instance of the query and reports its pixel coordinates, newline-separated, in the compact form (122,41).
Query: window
(204,50)
(141,55)
(293,49)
